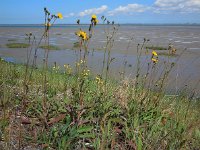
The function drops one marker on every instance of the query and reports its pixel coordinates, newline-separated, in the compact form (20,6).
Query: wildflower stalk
(108,47)
(139,53)
(125,57)
(81,66)
(25,87)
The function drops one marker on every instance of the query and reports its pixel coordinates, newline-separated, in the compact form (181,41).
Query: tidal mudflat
(186,39)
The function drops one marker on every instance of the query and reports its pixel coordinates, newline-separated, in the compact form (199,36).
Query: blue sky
(122,11)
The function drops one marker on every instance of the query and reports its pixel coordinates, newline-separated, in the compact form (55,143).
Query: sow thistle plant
(49,22)
(81,65)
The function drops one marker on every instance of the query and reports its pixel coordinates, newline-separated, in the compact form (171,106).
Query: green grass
(167,54)
(156,48)
(76,45)
(58,34)
(99,49)
(50,47)
(17,45)
(105,120)
(12,40)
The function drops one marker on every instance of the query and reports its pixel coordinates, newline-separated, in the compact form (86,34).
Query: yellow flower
(60,16)
(154,53)
(99,81)
(94,20)
(82,34)
(154,60)
(85,73)
(94,17)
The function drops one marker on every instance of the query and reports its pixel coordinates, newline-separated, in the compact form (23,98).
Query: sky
(121,11)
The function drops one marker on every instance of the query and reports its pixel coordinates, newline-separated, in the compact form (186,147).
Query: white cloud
(159,6)
(69,15)
(129,9)
(91,11)
(182,6)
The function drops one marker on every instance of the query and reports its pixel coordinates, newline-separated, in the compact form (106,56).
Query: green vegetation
(76,45)
(50,47)
(167,54)
(12,40)
(17,45)
(99,49)
(58,34)
(156,48)
(147,120)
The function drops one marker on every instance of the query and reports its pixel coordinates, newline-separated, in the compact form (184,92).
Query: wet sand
(185,38)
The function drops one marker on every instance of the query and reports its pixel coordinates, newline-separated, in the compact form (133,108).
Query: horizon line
(2,24)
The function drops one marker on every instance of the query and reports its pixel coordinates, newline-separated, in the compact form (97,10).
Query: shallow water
(185,38)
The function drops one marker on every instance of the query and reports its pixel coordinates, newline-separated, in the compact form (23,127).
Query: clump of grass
(12,40)
(58,34)
(167,54)
(99,49)
(76,45)
(17,45)
(156,48)
(50,47)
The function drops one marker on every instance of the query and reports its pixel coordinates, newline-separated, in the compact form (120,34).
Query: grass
(167,54)
(76,45)
(17,45)
(112,121)
(12,40)
(156,48)
(58,34)
(99,49)
(50,47)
